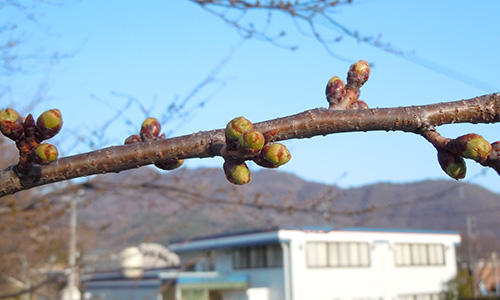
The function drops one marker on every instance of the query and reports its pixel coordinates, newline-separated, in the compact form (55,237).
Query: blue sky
(160,51)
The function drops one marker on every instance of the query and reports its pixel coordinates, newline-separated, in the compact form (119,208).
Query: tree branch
(315,122)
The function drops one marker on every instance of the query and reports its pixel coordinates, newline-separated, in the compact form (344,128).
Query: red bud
(133,139)
(150,129)
(358,74)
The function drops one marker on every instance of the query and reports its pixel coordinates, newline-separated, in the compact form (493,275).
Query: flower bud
(359,104)
(236,171)
(358,74)
(273,156)
(251,142)
(133,139)
(236,127)
(335,90)
(472,146)
(170,165)
(44,154)
(150,129)
(11,124)
(48,124)
(452,164)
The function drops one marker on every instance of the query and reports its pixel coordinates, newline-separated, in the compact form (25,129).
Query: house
(315,263)
(487,275)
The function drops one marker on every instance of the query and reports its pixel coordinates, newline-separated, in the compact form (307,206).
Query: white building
(286,264)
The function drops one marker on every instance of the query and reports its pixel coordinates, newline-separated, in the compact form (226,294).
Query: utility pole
(495,269)
(468,221)
(71,292)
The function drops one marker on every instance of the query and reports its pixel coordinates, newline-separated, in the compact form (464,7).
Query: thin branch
(315,122)
(28,290)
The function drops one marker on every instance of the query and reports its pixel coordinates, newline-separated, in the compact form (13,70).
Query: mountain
(145,205)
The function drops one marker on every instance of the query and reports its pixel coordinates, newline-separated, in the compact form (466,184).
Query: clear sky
(160,51)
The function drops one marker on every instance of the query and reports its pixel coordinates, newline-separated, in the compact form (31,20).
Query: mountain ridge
(146,205)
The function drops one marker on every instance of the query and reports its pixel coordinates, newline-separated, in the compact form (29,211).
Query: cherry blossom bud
(133,139)
(273,156)
(472,146)
(251,142)
(335,90)
(236,171)
(44,154)
(236,127)
(170,165)
(359,104)
(358,74)
(48,124)
(150,129)
(11,124)
(452,164)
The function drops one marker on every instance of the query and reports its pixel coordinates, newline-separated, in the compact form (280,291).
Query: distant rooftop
(306,229)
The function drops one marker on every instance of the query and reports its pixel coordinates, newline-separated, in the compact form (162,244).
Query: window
(337,254)
(274,256)
(265,256)
(207,261)
(316,254)
(419,254)
(421,297)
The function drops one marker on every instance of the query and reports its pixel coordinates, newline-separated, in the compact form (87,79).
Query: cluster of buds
(29,136)
(472,146)
(150,131)
(341,96)
(250,144)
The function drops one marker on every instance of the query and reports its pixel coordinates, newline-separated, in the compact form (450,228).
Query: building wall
(271,278)
(382,279)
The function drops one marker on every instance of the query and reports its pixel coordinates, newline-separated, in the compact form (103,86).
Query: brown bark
(315,122)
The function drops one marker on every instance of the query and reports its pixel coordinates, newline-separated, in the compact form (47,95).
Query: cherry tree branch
(315,122)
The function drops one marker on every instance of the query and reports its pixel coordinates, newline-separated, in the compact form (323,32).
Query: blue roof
(187,246)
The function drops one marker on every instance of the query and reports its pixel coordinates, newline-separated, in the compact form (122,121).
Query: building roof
(272,236)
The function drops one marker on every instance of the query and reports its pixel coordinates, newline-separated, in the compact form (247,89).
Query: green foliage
(461,286)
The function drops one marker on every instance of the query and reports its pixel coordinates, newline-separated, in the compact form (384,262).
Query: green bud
(170,165)
(251,142)
(472,146)
(44,154)
(236,171)
(273,156)
(133,139)
(359,104)
(358,74)
(150,129)
(11,124)
(48,124)
(236,127)
(335,90)
(452,164)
